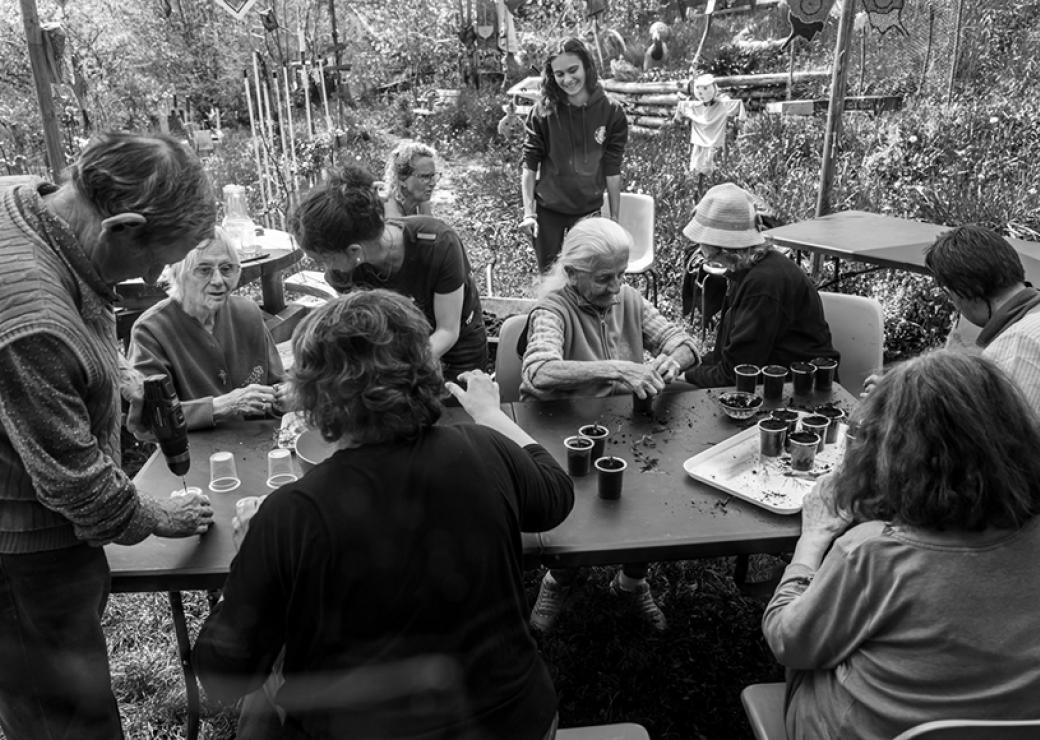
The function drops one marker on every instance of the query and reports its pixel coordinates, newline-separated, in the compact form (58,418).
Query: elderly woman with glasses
(395,566)
(342,225)
(410,177)
(214,346)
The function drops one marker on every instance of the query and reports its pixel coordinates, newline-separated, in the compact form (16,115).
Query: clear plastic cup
(280,468)
(223,475)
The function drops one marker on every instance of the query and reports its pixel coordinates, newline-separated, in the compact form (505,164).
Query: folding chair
(637,216)
(507,360)
(626,731)
(858,333)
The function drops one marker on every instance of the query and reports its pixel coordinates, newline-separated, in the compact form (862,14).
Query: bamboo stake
(956,49)
(292,132)
(252,129)
(306,75)
(324,96)
(281,116)
(265,180)
(271,158)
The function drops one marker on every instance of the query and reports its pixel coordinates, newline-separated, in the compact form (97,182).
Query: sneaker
(643,600)
(547,606)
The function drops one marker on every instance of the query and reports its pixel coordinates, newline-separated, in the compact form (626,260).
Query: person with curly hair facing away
(410,178)
(912,592)
(341,224)
(574,145)
(384,563)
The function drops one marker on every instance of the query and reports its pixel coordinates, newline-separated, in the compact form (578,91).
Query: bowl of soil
(740,405)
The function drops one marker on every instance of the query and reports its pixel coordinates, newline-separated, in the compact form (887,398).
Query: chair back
(507,360)
(637,216)
(624,731)
(967,729)
(858,333)
(764,706)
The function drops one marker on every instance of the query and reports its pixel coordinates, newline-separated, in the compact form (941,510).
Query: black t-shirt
(387,553)
(434,262)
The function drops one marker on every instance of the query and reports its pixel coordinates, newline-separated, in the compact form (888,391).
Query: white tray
(735,466)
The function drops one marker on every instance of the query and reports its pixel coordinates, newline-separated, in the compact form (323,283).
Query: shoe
(643,600)
(547,606)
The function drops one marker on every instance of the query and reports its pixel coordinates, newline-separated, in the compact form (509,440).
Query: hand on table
(245,509)
(252,400)
(666,366)
(643,380)
(183,516)
(480,396)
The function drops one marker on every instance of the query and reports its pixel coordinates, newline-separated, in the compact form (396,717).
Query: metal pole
(37,60)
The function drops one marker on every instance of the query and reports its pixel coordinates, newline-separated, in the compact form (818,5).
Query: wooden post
(839,77)
(790,69)
(928,48)
(37,60)
(956,49)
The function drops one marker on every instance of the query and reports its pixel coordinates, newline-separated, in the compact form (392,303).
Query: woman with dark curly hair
(575,142)
(341,224)
(912,594)
(398,560)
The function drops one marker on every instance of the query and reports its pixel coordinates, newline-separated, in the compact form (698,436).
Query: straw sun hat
(725,217)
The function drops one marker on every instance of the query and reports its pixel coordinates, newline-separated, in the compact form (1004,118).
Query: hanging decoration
(885,15)
(237,8)
(806,18)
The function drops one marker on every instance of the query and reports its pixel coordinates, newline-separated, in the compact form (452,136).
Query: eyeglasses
(205,272)
(429,176)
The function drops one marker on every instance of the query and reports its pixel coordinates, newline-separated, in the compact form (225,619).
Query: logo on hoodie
(601,134)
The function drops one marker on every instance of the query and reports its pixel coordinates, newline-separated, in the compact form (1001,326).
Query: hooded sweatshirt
(574,149)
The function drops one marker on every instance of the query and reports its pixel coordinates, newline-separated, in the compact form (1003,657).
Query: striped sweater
(60,479)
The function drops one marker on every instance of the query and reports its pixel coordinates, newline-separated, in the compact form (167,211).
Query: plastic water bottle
(237,223)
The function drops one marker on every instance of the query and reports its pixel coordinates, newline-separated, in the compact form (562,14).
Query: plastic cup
(802,374)
(773,377)
(280,468)
(643,406)
(818,425)
(790,418)
(823,378)
(223,475)
(746,377)
(803,450)
(598,434)
(771,434)
(835,415)
(611,472)
(579,455)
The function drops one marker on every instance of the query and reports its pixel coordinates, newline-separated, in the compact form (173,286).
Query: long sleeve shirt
(385,553)
(900,626)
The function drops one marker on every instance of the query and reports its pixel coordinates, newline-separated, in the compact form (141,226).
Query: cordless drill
(163,414)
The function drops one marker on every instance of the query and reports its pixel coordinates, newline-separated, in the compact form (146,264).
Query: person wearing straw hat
(772,313)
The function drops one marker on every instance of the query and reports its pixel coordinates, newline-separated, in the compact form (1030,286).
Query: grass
(607,665)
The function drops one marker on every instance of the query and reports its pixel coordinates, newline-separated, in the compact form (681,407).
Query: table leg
(272,288)
(191,685)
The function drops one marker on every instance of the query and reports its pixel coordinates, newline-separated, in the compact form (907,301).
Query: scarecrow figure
(708,113)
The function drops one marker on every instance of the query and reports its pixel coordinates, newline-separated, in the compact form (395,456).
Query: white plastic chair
(858,333)
(624,731)
(764,706)
(969,729)
(637,216)
(507,360)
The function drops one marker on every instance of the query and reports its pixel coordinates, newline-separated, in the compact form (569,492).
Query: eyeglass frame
(226,269)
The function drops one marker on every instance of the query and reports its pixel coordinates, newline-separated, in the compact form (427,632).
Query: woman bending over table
(587,336)
(341,225)
(397,559)
(214,346)
(912,594)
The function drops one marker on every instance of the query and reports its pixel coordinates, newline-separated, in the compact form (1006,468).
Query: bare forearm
(441,341)
(527,182)
(498,420)
(614,195)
